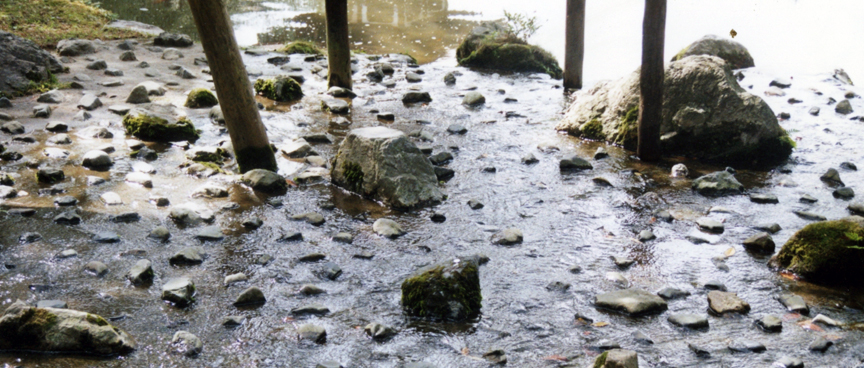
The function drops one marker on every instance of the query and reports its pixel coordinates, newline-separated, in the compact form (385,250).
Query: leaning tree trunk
(338,49)
(574,50)
(651,80)
(248,135)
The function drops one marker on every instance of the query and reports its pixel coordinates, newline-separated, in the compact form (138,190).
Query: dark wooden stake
(338,48)
(574,49)
(236,98)
(651,80)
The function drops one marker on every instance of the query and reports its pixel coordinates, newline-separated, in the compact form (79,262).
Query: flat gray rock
(694,321)
(631,301)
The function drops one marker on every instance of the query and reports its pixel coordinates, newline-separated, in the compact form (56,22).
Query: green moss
(215,167)
(301,47)
(680,54)
(153,128)
(509,54)
(601,360)
(201,97)
(251,158)
(353,176)
(281,88)
(821,252)
(96,320)
(50,179)
(628,131)
(430,293)
(593,130)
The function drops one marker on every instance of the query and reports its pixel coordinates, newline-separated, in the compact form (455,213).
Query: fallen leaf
(729,252)
(465,351)
(600,324)
(652,220)
(555,357)
(809,325)
(791,316)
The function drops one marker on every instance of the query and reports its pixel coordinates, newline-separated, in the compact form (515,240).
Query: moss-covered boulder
(301,47)
(827,252)
(265,181)
(154,128)
(24,327)
(201,97)
(448,291)
(706,115)
(734,53)
(282,89)
(492,46)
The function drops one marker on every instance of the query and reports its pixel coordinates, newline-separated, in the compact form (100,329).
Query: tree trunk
(651,80)
(574,50)
(236,98)
(338,49)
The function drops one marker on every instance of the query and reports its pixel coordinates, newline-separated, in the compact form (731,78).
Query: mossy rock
(301,47)
(152,128)
(449,291)
(734,53)
(201,97)
(824,252)
(593,130)
(353,175)
(628,131)
(282,89)
(491,46)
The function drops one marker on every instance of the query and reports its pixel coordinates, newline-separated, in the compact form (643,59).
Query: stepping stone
(210,233)
(723,302)
(387,228)
(509,236)
(669,293)
(250,296)
(794,303)
(770,323)
(710,225)
(315,309)
(760,243)
(140,273)
(746,346)
(631,301)
(180,291)
(188,256)
(692,321)
(106,237)
(764,198)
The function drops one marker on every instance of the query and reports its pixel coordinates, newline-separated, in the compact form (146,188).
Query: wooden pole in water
(338,48)
(651,80)
(248,135)
(574,49)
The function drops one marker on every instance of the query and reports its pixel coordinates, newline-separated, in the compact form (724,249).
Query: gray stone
(159,233)
(41,111)
(52,97)
(313,333)
(140,273)
(746,346)
(265,181)
(171,54)
(844,193)
(186,344)
(768,227)
(113,72)
(128,56)
(311,290)
(235,278)
(141,179)
(68,218)
(723,302)
(60,139)
(617,358)
(691,122)
(315,309)
(710,225)
(843,107)
(814,111)
(346,238)
(633,302)
(529,159)
(780,83)
(23,62)
(719,183)
(473,99)
(96,268)
(820,344)
(125,217)
(61,331)
(138,95)
(89,102)
(96,159)
(760,243)
(574,163)
(646,235)
(770,323)
(694,321)
(188,256)
(250,296)
(210,190)
(12,127)
(233,321)
(763,198)
(387,228)
(794,303)
(57,304)
(210,233)
(788,362)
(335,106)
(65,201)
(98,65)
(669,293)
(509,236)
(185,74)
(456,129)
(379,331)
(315,219)
(106,237)
(180,291)
(5,103)
(330,271)
(416,97)
(809,216)
(832,177)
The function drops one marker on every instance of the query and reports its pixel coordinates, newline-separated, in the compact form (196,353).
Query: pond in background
(784,36)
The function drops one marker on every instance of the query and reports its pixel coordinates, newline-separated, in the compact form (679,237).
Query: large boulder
(282,89)
(25,327)
(734,53)
(384,164)
(706,115)
(827,252)
(23,62)
(149,126)
(492,46)
(447,291)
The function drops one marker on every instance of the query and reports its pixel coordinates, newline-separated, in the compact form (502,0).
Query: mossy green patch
(601,360)
(152,128)
(301,47)
(251,158)
(508,54)
(593,130)
(96,320)
(353,176)
(680,54)
(281,88)
(430,293)
(213,166)
(201,97)
(46,22)
(628,130)
(825,252)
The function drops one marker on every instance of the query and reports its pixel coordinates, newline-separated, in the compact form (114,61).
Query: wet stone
(763,198)
(97,65)
(311,290)
(12,127)
(457,129)
(387,228)
(312,257)
(59,304)
(770,323)
(7,192)
(529,159)
(699,350)
(848,166)
(441,158)
(253,223)
(710,225)
(820,344)
(292,236)
(330,271)
(439,217)
(715,285)
(558,286)
(646,235)
(623,262)
(68,218)
(140,273)
(65,201)
(844,193)
(113,72)
(179,291)
(233,321)
(692,321)
(809,216)
(250,296)
(794,303)
(761,243)
(788,362)
(631,301)
(509,236)
(159,233)
(186,344)
(475,204)
(68,253)
(768,227)
(832,177)
(313,333)
(188,256)
(669,293)
(722,302)
(346,238)
(312,218)
(210,233)
(235,278)
(315,309)
(806,198)
(574,163)
(843,107)
(415,97)
(96,268)
(125,217)
(106,237)
(29,237)
(141,179)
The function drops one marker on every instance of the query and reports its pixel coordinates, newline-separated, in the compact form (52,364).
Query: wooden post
(651,80)
(236,98)
(574,49)
(338,48)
